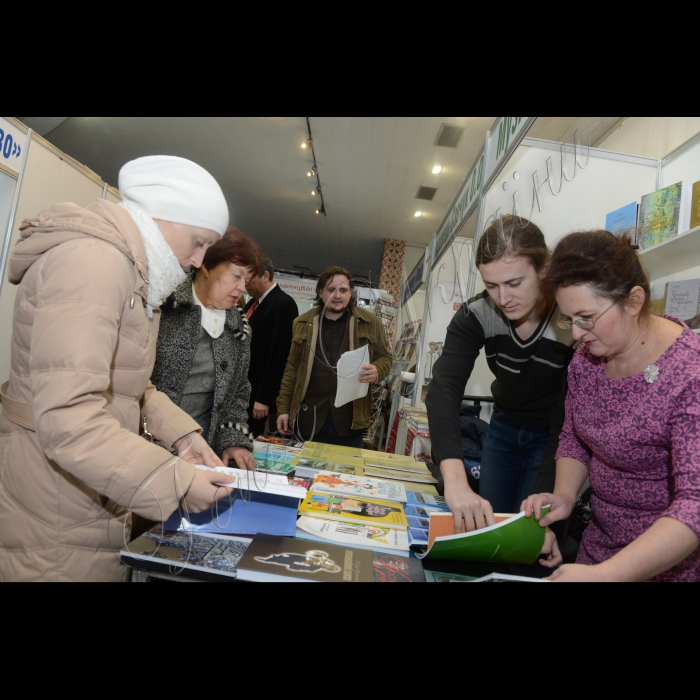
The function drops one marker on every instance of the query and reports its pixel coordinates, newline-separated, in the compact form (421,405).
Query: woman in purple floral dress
(632,423)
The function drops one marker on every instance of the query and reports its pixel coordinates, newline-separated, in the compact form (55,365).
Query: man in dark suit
(271,314)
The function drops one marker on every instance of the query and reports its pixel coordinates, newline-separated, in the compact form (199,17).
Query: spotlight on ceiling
(419,214)
(322,210)
(307,144)
(313,171)
(437,170)
(316,191)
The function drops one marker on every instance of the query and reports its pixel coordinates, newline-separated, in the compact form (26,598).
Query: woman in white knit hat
(72,463)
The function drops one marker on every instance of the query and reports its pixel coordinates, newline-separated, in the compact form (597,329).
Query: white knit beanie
(176,190)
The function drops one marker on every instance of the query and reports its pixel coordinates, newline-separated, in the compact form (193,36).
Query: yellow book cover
(334,449)
(380,463)
(323,456)
(695,215)
(371,457)
(418,488)
(393,475)
(354,510)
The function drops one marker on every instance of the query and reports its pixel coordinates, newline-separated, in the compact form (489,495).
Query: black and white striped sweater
(530,375)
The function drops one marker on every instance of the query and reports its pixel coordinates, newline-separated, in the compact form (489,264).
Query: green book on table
(514,540)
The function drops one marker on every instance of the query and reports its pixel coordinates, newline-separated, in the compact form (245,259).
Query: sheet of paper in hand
(349,370)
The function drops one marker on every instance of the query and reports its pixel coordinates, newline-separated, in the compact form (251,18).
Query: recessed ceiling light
(437,170)
(419,214)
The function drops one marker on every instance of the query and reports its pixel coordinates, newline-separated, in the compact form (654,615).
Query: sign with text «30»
(12,144)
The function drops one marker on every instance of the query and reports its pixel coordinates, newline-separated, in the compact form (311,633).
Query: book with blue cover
(624,220)
(423,500)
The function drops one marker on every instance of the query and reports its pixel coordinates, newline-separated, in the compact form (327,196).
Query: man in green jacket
(306,404)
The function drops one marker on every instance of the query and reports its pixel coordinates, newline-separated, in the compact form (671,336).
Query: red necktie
(252,309)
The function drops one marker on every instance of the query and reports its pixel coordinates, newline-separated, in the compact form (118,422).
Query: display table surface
(146,572)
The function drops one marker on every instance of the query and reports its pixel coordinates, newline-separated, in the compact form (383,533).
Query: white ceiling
(370,168)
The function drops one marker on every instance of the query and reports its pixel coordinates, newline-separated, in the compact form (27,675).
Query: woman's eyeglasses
(585,324)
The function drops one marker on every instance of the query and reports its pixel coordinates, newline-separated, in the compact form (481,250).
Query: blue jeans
(511,462)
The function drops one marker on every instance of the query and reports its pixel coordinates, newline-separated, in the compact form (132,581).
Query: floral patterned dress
(641,444)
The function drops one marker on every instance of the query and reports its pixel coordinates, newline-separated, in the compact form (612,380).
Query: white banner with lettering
(298,289)
(12,143)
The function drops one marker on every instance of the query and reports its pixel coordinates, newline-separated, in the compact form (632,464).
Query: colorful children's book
(424,501)
(281,560)
(683,300)
(515,540)
(393,475)
(354,510)
(624,220)
(374,537)
(695,207)
(663,215)
(201,557)
(274,463)
(345,485)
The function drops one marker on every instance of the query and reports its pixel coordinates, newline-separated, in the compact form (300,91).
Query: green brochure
(518,540)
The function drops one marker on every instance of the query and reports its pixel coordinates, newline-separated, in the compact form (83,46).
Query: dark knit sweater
(530,376)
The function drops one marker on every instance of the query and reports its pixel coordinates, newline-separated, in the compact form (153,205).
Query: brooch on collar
(652,374)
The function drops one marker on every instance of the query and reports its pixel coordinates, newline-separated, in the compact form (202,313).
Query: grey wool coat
(177,342)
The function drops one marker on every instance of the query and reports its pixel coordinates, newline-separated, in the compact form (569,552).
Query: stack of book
(355,511)
(419,508)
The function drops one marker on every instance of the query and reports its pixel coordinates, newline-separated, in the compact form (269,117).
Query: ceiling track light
(317,192)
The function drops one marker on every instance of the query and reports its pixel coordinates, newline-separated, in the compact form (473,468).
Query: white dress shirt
(267,293)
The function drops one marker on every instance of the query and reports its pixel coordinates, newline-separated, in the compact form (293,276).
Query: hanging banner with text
(506,134)
(12,143)
(298,289)
(461,211)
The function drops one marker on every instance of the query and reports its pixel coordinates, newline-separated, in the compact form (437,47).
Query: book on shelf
(346,485)
(202,557)
(624,220)
(434,577)
(353,509)
(283,560)
(259,503)
(374,537)
(394,475)
(695,207)
(424,501)
(514,540)
(682,301)
(663,215)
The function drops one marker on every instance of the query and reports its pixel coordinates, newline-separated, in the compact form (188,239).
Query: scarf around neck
(164,272)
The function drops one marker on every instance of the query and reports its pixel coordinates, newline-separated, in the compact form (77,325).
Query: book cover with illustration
(305,466)
(623,220)
(274,463)
(394,475)
(373,537)
(663,215)
(424,501)
(282,560)
(514,540)
(189,556)
(354,510)
(695,207)
(346,485)
(683,301)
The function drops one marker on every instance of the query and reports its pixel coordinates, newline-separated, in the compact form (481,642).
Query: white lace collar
(164,272)
(213,320)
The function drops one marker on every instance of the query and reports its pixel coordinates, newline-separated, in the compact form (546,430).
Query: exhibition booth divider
(33,175)
(562,187)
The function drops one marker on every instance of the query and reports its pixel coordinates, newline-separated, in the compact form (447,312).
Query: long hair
(326,277)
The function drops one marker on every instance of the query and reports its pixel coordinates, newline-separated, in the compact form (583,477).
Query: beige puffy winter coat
(83,351)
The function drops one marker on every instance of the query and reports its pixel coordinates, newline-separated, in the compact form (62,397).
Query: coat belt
(19,413)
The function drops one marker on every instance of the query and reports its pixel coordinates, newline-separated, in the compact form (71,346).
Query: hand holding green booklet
(516,540)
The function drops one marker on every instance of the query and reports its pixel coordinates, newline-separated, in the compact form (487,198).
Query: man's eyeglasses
(585,324)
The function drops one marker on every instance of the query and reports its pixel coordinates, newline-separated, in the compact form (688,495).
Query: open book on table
(514,540)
